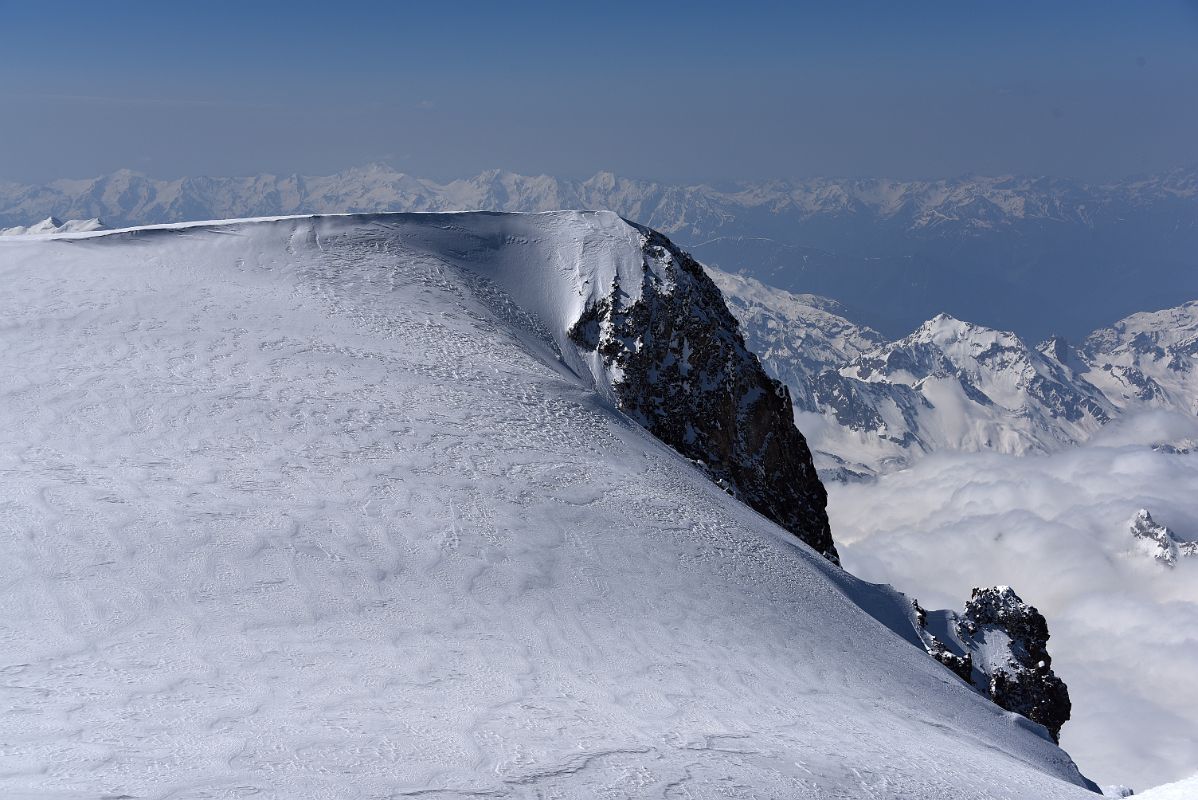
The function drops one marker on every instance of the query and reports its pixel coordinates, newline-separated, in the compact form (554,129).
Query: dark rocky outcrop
(679,366)
(1021,678)
(999,645)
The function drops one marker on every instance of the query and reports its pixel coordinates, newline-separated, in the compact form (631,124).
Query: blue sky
(675,91)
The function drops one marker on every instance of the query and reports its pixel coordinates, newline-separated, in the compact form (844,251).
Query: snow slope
(330,507)
(1181,790)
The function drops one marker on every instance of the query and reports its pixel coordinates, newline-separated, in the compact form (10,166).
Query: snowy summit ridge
(337,506)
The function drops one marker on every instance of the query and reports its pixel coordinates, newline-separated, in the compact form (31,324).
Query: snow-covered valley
(336,507)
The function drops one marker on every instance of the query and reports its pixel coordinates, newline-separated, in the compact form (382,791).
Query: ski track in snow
(296,509)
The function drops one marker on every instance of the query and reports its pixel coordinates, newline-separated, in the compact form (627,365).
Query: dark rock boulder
(1020,676)
(680,368)
(999,646)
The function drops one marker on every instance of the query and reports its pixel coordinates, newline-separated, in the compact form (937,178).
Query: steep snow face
(1147,359)
(334,507)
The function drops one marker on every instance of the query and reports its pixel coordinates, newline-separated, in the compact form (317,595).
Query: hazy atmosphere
(682,92)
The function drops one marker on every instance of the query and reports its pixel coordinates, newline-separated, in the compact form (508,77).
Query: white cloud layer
(1124,628)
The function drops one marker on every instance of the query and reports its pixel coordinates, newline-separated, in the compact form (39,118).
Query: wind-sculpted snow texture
(335,508)
(679,367)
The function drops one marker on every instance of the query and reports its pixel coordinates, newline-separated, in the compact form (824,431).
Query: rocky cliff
(679,367)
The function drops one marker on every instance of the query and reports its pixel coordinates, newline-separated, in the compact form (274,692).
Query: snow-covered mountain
(1158,542)
(52,225)
(956,386)
(348,507)
(952,385)
(1035,255)
(961,206)
(1148,359)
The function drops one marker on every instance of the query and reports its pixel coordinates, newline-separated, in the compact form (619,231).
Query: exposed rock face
(1020,677)
(999,645)
(680,367)
(1159,541)
(797,337)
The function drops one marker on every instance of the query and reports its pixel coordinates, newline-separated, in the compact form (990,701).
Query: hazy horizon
(716,184)
(678,93)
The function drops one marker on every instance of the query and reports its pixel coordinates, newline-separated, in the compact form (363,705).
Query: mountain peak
(51,225)
(1158,541)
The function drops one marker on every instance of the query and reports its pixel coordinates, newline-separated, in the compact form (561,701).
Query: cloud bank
(1124,628)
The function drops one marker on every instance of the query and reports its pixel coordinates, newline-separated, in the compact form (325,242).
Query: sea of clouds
(1055,527)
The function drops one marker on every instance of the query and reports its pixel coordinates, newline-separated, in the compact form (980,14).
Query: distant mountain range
(1038,256)
(955,385)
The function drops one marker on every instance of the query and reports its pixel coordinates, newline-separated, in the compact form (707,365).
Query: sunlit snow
(325,508)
